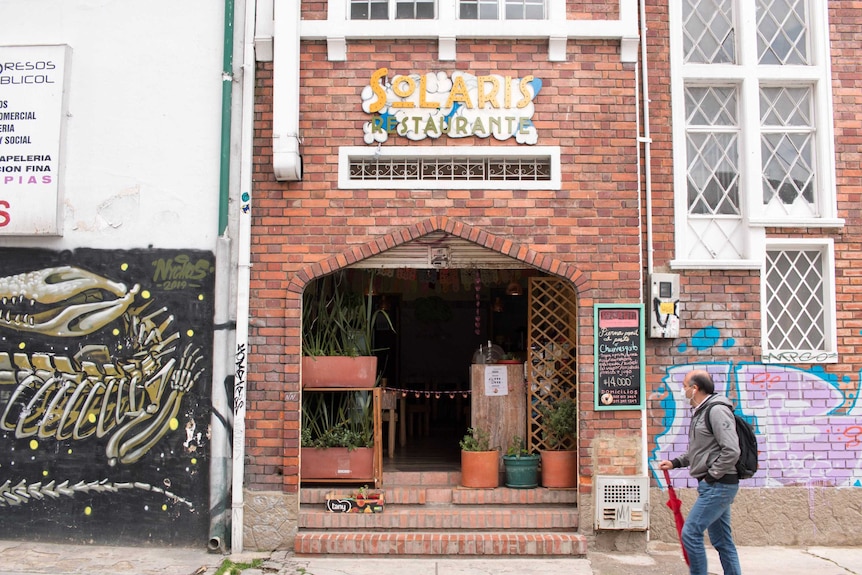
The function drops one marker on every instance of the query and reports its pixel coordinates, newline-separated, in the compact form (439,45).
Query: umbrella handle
(666,476)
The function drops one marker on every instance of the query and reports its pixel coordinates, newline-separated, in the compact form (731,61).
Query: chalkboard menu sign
(619,356)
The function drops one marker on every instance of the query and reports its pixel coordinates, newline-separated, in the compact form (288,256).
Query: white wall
(144,125)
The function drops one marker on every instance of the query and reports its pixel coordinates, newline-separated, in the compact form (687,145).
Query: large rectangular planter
(336,463)
(339,371)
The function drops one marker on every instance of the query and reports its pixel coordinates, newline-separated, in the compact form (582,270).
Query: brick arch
(451,226)
(289,455)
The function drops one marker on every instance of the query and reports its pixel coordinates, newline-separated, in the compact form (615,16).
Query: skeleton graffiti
(808,423)
(102,385)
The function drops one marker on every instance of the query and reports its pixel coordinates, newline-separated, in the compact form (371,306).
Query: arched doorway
(451,289)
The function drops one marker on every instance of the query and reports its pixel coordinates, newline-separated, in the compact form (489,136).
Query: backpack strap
(706,411)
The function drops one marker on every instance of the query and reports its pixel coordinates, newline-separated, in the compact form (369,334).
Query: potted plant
(559,459)
(522,467)
(338,334)
(480,464)
(337,438)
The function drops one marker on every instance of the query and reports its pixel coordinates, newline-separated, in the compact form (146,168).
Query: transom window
(475,167)
(451,169)
(755,92)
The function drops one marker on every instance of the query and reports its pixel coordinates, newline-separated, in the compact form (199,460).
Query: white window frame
(345,153)
(556,29)
(802,356)
(748,76)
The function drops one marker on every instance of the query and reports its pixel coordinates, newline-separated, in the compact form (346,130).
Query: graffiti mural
(808,422)
(105,368)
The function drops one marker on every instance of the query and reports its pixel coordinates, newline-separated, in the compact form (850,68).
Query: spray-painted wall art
(105,369)
(808,422)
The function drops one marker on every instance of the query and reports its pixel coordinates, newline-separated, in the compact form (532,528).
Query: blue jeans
(711,512)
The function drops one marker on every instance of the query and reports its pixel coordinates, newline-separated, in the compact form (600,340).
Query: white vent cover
(621,502)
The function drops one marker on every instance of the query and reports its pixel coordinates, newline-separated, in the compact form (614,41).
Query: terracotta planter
(336,463)
(559,469)
(480,469)
(338,371)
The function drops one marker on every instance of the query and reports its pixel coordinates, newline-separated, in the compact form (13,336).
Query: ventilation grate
(451,169)
(622,502)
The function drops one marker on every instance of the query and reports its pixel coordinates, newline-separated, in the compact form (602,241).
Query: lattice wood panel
(552,352)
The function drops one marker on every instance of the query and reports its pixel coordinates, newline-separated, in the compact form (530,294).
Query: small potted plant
(480,464)
(559,458)
(522,467)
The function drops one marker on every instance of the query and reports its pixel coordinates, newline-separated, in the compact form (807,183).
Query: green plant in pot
(338,333)
(522,467)
(337,435)
(559,458)
(480,463)
(337,419)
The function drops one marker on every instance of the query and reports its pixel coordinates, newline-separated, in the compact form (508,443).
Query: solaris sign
(432,105)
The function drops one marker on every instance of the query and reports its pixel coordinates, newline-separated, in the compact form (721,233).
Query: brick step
(445,517)
(400,494)
(440,543)
(437,478)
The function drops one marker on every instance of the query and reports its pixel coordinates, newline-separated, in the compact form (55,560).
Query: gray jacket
(713,453)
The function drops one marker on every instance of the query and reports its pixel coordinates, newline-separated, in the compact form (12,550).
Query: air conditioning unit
(621,502)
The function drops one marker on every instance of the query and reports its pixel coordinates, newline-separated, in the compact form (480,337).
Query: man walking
(711,458)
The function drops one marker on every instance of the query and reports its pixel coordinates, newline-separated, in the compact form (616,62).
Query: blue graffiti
(807,420)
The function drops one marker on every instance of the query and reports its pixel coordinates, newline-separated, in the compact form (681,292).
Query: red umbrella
(675,503)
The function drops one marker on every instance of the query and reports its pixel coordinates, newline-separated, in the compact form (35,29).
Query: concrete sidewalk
(30,558)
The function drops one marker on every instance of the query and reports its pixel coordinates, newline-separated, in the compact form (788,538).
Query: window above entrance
(476,167)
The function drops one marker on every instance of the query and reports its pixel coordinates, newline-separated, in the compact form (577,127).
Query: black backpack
(746,466)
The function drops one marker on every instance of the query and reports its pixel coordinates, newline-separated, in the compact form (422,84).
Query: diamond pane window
(708,32)
(782,32)
(795,300)
(787,151)
(712,137)
(752,126)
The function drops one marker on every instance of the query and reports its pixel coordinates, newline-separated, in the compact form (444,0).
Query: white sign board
(33,81)
(496,380)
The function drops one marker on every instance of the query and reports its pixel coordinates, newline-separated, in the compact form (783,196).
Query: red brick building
(592,145)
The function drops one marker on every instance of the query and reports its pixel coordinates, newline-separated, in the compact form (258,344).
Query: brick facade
(592,232)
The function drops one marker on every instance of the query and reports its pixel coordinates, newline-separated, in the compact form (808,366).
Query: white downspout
(286,161)
(243,203)
(647,167)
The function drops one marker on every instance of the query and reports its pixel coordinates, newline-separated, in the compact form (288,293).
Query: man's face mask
(689,393)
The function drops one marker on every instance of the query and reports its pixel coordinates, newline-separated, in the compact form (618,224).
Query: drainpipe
(647,165)
(286,161)
(220,419)
(243,278)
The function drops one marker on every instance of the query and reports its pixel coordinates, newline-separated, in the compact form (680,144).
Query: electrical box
(664,305)
(622,502)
